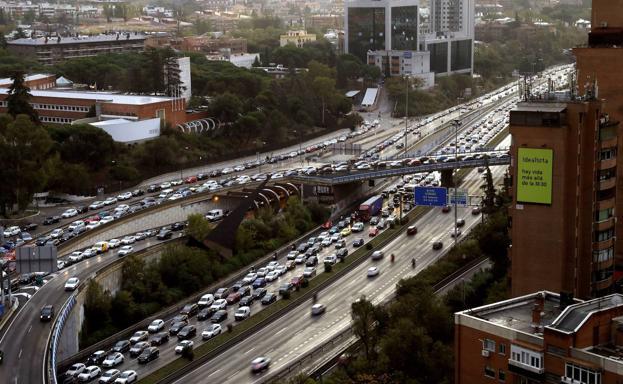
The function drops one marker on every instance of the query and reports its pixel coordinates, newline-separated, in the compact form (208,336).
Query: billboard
(458,196)
(431,196)
(534,175)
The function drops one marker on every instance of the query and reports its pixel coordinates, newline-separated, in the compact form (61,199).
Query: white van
(75,225)
(357,227)
(215,215)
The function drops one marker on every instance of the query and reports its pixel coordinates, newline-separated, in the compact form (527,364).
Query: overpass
(354,175)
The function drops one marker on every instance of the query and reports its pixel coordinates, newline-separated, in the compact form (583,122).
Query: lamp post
(457,124)
(406,113)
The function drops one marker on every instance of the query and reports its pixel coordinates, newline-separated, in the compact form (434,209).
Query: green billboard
(534,175)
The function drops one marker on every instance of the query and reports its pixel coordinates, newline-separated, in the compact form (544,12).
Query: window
(608,154)
(489,372)
(502,349)
(502,376)
(582,375)
(604,235)
(489,345)
(604,214)
(526,357)
(603,255)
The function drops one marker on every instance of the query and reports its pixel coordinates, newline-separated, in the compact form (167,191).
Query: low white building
(128,131)
(404,63)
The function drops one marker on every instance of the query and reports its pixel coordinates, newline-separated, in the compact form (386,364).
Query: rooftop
(6,82)
(80,39)
(540,106)
(99,96)
(516,313)
(575,315)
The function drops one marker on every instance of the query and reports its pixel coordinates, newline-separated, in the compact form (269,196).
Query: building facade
(52,50)
(541,337)
(404,63)
(297,38)
(564,157)
(601,62)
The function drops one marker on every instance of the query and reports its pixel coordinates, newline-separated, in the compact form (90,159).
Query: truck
(370,207)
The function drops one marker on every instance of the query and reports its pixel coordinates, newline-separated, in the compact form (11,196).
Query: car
(309,272)
(149,354)
(72,283)
(184,345)
(318,309)
(128,240)
(259,293)
(242,313)
(269,298)
(373,271)
(476,211)
(122,346)
(75,370)
(112,360)
(176,326)
(205,300)
(262,271)
(96,358)
(190,309)
(249,278)
(358,242)
(281,270)
(164,234)
(290,264)
(137,192)
(298,281)
(446,209)
(219,304)
(89,373)
(114,243)
(177,226)
(159,339)
(125,250)
(51,220)
(47,313)
(109,376)
(221,293)
(88,253)
(377,255)
(96,205)
(331,259)
(260,364)
(246,301)
(437,245)
(286,287)
(139,336)
(127,377)
(341,253)
(156,326)
(411,230)
(233,298)
(455,232)
(258,283)
(138,348)
(292,255)
(340,244)
(110,201)
(326,242)
(300,259)
(373,231)
(460,223)
(29,227)
(271,276)
(219,316)
(71,212)
(188,332)
(211,331)
(374,220)
(124,196)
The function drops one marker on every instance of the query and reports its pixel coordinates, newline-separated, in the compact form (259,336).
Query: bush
(286,295)
(328,268)
(369,246)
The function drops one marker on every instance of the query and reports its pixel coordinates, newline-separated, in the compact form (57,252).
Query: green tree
(18,98)
(226,107)
(488,202)
(198,227)
(366,326)
(324,88)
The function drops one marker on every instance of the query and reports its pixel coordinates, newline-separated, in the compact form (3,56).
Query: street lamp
(406,113)
(457,124)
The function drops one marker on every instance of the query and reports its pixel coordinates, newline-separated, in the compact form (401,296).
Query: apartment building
(564,157)
(541,337)
(52,50)
(297,38)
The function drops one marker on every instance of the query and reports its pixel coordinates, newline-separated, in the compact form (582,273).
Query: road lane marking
(29,329)
(215,372)
(19,356)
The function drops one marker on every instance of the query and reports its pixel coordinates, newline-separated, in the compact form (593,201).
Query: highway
(298,332)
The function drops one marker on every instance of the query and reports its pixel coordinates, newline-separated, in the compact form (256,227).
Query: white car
(106,219)
(249,278)
(125,196)
(242,313)
(110,201)
(12,231)
(125,250)
(243,179)
(277,175)
(96,205)
(55,234)
(239,168)
(272,276)
(219,304)
(113,359)
(281,270)
(122,207)
(165,185)
(211,331)
(127,377)
(455,234)
(71,212)
(179,348)
(75,225)
(373,271)
(109,376)
(227,170)
(177,182)
(176,196)
(75,257)
(128,240)
(114,243)
(93,225)
(72,283)
(60,264)
(75,369)
(309,272)
(331,259)
(139,336)
(206,300)
(262,272)
(89,373)
(156,326)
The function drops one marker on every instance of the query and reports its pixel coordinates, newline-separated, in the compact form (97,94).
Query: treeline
(411,339)
(184,270)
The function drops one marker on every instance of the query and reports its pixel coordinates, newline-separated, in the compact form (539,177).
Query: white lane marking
(19,356)
(29,329)
(250,350)
(215,372)
(283,329)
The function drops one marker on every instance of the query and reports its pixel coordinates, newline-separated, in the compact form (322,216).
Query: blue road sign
(457,196)
(431,196)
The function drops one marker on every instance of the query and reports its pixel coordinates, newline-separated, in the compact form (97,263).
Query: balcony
(602,284)
(607,164)
(599,245)
(604,224)
(605,204)
(607,184)
(525,369)
(610,143)
(605,264)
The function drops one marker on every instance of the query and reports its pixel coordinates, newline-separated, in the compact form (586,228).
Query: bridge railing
(59,324)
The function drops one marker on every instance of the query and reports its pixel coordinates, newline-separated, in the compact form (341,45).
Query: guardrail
(56,334)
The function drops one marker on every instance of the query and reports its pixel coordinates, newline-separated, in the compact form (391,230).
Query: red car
(297,281)
(233,298)
(92,219)
(446,209)
(373,231)
(191,179)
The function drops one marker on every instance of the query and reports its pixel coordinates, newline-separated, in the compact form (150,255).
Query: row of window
(604,214)
(54,119)
(490,372)
(526,356)
(603,255)
(489,345)
(604,235)
(56,107)
(582,375)
(607,154)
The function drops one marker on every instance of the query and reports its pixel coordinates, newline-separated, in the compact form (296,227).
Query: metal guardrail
(56,335)
(367,175)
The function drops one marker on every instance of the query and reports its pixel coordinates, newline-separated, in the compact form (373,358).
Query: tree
(226,107)
(18,98)
(198,227)
(488,201)
(324,88)
(366,326)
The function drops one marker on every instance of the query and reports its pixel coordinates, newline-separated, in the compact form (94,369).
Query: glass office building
(366,30)
(404,28)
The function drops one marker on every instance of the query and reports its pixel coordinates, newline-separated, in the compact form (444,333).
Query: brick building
(209,44)
(37,81)
(564,157)
(541,337)
(601,61)
(53,50)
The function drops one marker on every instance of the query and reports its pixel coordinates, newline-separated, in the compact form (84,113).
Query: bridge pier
(338,196)
(446,178)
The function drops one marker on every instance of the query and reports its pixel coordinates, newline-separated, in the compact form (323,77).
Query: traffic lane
(285,338)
